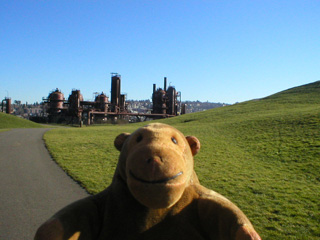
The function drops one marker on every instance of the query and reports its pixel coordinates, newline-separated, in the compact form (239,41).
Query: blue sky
(210,50)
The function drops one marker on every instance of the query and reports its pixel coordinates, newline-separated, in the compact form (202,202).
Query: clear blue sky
(220,51)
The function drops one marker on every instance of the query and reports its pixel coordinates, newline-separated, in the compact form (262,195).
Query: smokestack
(154,88)
(165,84)
(115,89)
(8,105)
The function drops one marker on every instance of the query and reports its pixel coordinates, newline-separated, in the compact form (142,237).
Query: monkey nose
(153,160)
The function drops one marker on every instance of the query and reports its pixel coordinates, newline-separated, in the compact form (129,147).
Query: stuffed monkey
(155,194)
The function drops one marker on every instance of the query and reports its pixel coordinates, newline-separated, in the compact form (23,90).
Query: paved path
(32,186)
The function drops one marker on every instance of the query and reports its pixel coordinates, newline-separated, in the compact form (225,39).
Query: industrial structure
(7,105)
(166,103)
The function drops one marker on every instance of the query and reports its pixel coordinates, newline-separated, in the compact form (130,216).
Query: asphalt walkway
(32,186)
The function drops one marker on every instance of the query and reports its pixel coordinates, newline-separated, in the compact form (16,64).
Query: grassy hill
(261,154)
(10,121)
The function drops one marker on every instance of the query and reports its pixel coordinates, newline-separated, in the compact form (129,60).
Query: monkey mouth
(156,181)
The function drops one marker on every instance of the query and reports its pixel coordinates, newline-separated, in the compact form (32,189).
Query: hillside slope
(10,121)
(262,154)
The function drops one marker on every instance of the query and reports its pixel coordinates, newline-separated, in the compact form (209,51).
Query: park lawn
(8,121)
(261,154)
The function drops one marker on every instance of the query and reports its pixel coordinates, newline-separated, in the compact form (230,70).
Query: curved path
(32,186)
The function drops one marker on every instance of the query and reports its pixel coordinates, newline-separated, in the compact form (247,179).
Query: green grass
(8,121)
(261,154)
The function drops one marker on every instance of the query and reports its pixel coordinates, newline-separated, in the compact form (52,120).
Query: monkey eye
(174,140)
(139,138)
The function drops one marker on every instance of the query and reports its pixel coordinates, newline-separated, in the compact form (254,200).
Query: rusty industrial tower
(166,103)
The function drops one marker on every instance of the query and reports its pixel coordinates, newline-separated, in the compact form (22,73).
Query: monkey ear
(120,139)
(194,144)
